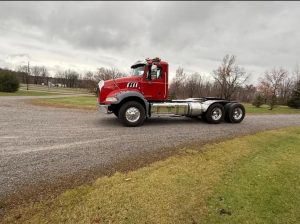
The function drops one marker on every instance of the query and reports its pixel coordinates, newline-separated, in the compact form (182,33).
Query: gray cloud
(195,35)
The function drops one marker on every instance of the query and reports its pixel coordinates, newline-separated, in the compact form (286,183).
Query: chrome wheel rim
(237,113)
(216,114)
(132,114)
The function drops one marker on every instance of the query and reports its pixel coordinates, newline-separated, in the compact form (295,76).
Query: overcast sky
(194,35)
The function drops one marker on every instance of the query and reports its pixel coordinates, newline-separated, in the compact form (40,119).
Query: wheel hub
(216,114)
(132,114)
(237,113)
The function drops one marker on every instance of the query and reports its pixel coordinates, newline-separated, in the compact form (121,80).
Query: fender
(206,104)
(126,94)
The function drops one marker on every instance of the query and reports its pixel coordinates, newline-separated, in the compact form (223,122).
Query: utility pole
(28,71)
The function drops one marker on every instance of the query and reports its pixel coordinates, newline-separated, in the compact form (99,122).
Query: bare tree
(177,86)
(36,72)
(193,85)
(89,81)
(229,76)
(44,74)
(89,75)
(270,85)
(106,74)
(245,93)
(285,90)
(71,78)
(40,74)
(24,69)
(60,78)
(209,89)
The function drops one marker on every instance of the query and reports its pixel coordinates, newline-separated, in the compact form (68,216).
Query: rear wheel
(132,114)
(215,113)
(235,113)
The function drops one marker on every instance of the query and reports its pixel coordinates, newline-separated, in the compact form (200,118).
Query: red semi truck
(144,94)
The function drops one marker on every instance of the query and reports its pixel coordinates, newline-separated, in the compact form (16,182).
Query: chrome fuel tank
(169,108)
(177,108)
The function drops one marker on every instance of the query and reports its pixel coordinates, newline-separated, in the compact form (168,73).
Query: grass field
(79,102)
(58,90)
(252,179)
(27,93)
(39,90)
(264,109)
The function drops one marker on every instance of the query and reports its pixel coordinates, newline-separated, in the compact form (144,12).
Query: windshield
(139,71)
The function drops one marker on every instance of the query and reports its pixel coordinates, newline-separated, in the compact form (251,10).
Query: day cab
(144,94)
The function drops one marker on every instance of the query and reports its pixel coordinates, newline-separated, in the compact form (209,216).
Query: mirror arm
(149,72)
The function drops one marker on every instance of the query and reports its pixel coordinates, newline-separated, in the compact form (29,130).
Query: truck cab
(148,77)
(144,94)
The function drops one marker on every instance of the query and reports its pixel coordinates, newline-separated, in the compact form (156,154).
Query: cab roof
(147,61)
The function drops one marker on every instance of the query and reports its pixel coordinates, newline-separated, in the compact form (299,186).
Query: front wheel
(116,112)
(132,114)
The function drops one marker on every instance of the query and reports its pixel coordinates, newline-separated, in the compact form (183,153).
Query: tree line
(229,81)
(275,86)
(68,78)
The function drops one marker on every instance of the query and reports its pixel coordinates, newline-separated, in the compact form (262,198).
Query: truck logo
(132,85)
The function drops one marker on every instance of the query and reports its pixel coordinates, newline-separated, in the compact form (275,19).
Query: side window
(156,72)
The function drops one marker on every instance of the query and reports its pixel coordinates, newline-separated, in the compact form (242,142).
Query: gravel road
(41,145)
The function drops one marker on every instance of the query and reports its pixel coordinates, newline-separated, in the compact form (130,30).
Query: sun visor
(139,63)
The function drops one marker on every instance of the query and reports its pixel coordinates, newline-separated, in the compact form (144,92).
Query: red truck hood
(122,82)
(110,86)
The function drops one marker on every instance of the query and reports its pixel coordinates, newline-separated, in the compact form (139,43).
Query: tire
(227,107)
(235,113)
(132,114)
(215,113)
(116,112)
(203,117)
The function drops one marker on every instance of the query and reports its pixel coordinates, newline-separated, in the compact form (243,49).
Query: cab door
(153,84)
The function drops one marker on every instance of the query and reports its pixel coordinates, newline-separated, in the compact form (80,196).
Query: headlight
(111,99)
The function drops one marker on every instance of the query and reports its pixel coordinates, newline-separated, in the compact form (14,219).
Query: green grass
(263,187)
(264,109)
(80,102)
(40,90)
(27,93)
(59,90)
(252,179)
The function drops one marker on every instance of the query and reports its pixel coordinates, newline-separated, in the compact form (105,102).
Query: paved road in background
(44,145)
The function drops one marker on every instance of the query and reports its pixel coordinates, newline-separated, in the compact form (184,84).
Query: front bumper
(104,108)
